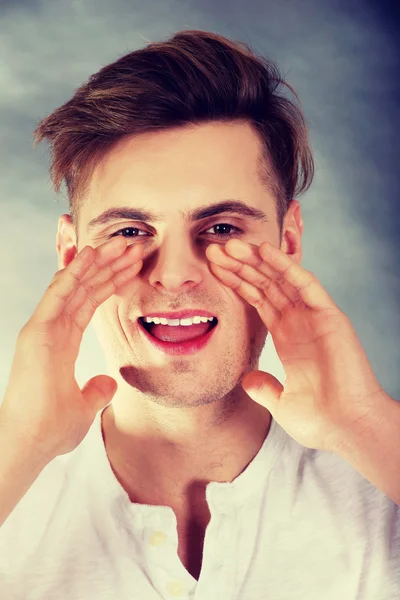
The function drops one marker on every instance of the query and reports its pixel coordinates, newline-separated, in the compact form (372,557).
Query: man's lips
(179,333)
(180,348)
(187,313)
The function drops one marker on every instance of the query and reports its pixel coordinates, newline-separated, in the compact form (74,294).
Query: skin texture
(178,422)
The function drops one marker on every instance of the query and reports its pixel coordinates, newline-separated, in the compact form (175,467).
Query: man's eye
(237,231)
(127,229)
(223,234)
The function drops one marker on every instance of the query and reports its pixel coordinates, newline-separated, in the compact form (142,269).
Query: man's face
(172,173)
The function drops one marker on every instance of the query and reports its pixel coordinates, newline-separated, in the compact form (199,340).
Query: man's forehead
(201,158)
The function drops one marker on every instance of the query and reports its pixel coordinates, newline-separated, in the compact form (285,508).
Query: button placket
(157,538)
(175,588)
(218,542)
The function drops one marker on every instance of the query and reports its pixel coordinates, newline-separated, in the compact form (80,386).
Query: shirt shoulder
(46,506)
(21,532)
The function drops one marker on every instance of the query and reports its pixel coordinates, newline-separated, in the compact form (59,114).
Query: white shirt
(296,524)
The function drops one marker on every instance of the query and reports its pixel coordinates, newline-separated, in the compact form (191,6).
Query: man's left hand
(330,387)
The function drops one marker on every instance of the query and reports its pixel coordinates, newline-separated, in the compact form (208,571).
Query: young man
(175,476)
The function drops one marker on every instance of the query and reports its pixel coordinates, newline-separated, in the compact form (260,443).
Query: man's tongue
(180,333)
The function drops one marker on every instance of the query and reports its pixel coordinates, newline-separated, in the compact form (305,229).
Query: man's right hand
(43,404)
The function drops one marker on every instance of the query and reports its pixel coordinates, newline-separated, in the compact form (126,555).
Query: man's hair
(194,77)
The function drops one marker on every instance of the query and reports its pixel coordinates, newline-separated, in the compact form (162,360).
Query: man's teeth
(175,322)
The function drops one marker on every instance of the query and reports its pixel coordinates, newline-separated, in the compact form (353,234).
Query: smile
(178,339)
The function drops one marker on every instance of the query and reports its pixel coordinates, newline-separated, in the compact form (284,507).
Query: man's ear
(65,241)
(292,231)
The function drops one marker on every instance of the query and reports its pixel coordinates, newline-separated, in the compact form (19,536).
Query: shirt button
(157,538)
(175,588)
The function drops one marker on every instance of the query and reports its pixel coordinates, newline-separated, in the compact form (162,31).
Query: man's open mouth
(177,332)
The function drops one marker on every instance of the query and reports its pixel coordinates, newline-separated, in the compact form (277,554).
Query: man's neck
(155,469)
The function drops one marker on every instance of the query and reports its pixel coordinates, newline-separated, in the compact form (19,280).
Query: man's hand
(330,388)
(43,402)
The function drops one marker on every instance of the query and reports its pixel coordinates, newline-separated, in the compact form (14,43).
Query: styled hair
(194,77)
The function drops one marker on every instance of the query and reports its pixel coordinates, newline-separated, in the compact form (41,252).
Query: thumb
(99,391)
(264,389)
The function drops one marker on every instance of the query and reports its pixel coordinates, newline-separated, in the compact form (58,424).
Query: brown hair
(193,77)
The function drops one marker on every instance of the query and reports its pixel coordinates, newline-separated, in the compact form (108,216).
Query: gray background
(340,57)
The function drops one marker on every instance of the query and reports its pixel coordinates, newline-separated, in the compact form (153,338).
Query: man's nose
(177,266)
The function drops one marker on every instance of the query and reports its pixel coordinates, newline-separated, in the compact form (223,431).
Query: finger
(253,295)
(66,281)
(102,257)
(261,279)
(106,269)
(102,275)
(95,297)
(307,286)
(250,254)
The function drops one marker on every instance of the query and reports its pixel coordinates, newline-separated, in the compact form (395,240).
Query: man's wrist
(14,436)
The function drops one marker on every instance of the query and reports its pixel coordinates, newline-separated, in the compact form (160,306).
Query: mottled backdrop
(343,60)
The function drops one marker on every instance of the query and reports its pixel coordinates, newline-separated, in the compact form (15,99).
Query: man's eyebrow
(203,212)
